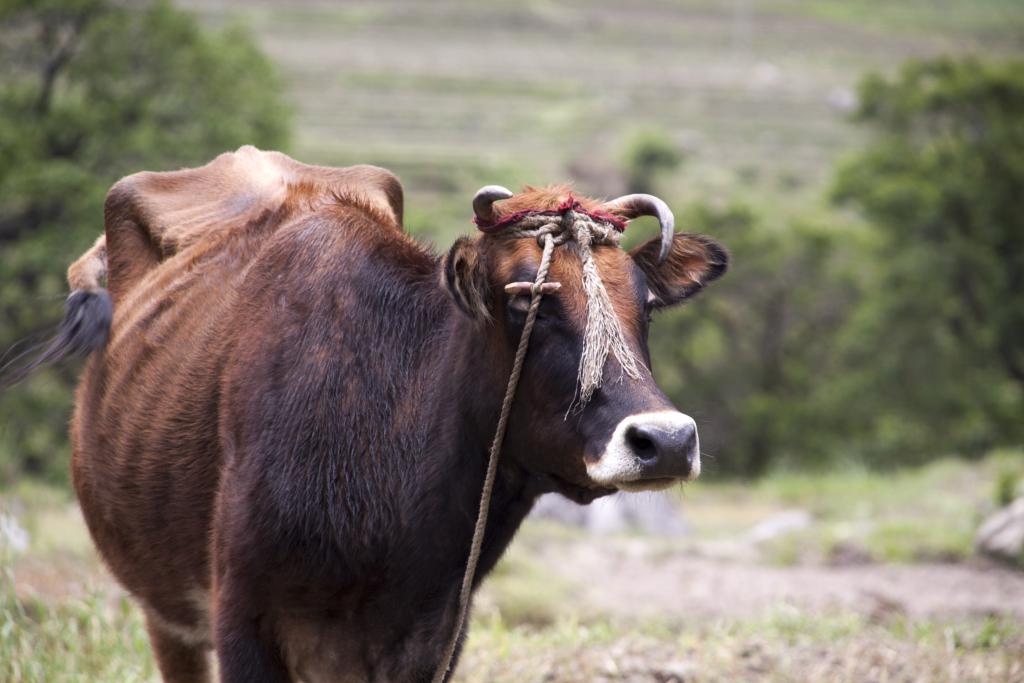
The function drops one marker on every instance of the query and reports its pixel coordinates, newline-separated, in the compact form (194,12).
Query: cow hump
(150,216)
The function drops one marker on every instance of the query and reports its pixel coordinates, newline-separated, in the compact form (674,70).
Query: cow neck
(471,577)
(467,407)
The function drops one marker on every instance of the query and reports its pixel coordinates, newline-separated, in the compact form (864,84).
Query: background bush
(93,90)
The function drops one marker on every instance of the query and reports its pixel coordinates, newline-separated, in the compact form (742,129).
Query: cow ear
(693,261)
(465,280)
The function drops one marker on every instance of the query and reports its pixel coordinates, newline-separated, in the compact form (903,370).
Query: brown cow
(279,450)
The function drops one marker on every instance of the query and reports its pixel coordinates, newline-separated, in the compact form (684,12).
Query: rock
(675,672)
(556,508)
(1001,535)
(847,553)
(843,100)
(780,524)
(652,513)
(12,535)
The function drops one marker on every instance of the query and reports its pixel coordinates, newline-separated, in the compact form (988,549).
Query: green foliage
(886,343)
(1006,487)
(650,153)
(92,90)
(1009,481)
(750,358)
(936,363)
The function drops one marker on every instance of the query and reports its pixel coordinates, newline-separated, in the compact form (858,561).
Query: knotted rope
(603,335)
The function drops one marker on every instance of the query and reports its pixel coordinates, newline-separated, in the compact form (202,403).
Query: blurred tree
(650,152)
(936,354)
(91,90)
(751,359)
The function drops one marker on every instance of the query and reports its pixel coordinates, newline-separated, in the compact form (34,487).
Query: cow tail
(88,313)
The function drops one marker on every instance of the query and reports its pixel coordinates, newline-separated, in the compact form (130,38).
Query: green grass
(783,646)
(520,591)
(916,514)
(63,619)
(98,637)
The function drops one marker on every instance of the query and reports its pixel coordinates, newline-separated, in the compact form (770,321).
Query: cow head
(625,435)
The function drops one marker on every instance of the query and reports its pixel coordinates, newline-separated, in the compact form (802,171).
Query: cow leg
(244,657)
(179,661)
(245,651)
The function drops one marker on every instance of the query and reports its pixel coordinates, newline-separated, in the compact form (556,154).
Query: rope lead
(492,461)
(603,336)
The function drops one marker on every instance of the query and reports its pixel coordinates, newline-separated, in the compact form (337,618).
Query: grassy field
(456,94)
(897,596)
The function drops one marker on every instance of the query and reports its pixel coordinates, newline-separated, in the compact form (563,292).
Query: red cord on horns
(570,203)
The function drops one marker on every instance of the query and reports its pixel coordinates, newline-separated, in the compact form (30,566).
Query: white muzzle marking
(623,467)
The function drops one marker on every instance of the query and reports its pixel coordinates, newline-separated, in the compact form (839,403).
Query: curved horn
(632,205)
(484,198)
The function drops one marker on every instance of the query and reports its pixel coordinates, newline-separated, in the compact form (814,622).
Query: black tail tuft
(85,328)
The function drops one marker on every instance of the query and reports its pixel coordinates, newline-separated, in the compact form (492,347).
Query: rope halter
(603,334)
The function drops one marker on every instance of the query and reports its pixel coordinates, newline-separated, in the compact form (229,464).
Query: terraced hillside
(455,93)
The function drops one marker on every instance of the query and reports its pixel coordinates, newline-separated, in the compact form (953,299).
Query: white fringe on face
(603,334)
(604,331)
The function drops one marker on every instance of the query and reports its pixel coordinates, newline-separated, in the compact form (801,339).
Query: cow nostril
(641,442)
(690,444)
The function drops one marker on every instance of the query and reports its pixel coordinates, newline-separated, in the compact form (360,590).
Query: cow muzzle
(649,451)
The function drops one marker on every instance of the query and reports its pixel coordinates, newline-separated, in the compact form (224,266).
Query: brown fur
(545,198)
(279,451)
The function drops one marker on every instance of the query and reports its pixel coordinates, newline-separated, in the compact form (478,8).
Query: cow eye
(520,304)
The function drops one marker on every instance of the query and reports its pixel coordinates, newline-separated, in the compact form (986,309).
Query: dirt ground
(643,577)
(638,578)
(703,614)
(571,606)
